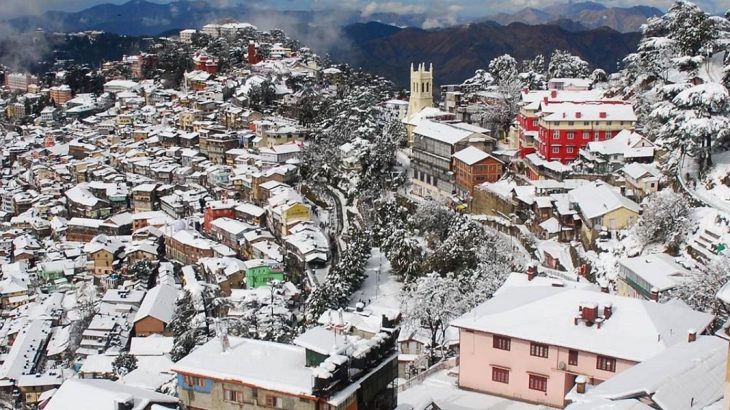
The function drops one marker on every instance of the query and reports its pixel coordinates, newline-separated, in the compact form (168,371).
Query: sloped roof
(159,304)
(683,374)
(637,329)
(599,199)
(101,394)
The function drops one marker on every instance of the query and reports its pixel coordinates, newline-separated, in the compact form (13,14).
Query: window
(571,123)
(193,381)
(539,349)
(569,150)
(586,123)
(606,363)
(556,134)
(500,375)
(556,150)
(233,395)
(273,401)
(586,135)
(538,383)
(571,135)
(573,357)
(501,342)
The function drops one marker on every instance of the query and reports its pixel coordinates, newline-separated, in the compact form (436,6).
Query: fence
(442,365)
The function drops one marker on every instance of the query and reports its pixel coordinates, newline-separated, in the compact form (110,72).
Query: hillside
(456,52)
(588,14)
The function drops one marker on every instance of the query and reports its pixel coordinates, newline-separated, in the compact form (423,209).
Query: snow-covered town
(233,220)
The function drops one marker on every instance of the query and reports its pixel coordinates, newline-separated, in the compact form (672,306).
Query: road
(685,168)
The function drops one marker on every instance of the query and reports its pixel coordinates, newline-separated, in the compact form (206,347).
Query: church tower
(421,89)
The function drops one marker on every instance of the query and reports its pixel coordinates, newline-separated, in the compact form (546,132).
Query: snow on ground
(441,389)
(714,185)
(712,191)
(379,287)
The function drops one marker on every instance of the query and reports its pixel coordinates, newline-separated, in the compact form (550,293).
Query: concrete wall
(477,357)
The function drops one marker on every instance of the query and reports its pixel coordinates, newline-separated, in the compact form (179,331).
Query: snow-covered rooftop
(268,365)
(637,329)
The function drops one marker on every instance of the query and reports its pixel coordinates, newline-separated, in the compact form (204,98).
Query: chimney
(525,90)
(580,384)
(531,271)
(578,115)
(554,94)
(545,99)
(222,333)
(604,289)
(602,114)
(607,311)
(691,335)
(589,312)
(655,294)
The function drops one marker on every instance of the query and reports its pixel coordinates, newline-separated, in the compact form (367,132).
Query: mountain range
(141,17)
(585,15)
(456,52)
(386,49)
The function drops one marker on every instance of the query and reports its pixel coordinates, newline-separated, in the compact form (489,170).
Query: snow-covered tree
(433,221)
(344,278)
(695,120)
(124,364)
(532,73)
(405,253)
(503,68)
(665,218)
(185,327)
(691,28)
(700,291)
(431,303)
(481,80)
(563,64)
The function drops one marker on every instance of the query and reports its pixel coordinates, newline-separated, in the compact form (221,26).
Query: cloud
(394,7)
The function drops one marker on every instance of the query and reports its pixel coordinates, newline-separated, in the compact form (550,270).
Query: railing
(418,379)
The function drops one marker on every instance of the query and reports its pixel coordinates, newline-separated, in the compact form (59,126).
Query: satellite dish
(561,366)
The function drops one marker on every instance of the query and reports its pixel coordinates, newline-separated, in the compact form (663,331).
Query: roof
(590,112)
(101,395)
(269,365)
(683,374)
(152,345)
(159,304)
(598,199)
(659,270)
(321,340)
(637,330)
(471,155)
(624,141)
(442,132)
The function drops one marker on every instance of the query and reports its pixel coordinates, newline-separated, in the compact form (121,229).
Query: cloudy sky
(461,7)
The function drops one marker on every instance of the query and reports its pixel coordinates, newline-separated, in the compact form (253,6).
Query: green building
(259,272)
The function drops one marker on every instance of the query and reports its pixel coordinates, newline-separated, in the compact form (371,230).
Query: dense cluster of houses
(111,205)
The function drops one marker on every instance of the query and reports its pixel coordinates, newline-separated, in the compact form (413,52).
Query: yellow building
(421,95)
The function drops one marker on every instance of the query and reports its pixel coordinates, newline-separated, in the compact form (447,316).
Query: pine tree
(124,364)
(565,65)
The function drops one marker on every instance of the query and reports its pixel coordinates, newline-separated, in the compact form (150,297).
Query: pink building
(530,343)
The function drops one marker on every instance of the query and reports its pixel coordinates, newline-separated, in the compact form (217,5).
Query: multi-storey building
(60,94)
(234,373)
(472,167)
(187,247)
(434,144)
(531,109)
(568,127)
(532,343)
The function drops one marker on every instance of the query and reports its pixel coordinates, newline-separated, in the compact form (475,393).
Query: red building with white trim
(565,128)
